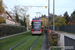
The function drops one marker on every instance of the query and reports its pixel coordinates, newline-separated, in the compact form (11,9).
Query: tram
(36,26)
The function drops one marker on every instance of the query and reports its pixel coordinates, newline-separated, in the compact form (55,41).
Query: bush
(9,30)
(53,41)
(53,38)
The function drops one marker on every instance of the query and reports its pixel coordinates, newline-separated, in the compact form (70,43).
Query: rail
(20,43)
(34,43)
(12,40)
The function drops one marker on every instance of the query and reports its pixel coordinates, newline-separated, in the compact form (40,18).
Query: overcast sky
(61,6)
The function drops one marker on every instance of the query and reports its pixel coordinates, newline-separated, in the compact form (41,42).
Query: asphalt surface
(62,34)
(61,42)
(45,45)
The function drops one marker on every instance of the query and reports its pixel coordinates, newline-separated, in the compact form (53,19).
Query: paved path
(62,34)
(12,35)
(45,45)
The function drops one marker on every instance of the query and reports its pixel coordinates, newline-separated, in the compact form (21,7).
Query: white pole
(53,15)
(48,13)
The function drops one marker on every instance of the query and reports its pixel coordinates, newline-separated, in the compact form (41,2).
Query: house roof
(6,13)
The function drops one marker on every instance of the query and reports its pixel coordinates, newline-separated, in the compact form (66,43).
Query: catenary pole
(53,15)
(48,13)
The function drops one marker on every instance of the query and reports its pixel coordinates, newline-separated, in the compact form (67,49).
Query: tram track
(20,43)
(12,40)
(24,42)
(34,43)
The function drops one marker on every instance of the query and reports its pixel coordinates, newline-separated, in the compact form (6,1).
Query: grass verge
(13,43)
(12,38)
(71,33)
(26,45)
(65,32)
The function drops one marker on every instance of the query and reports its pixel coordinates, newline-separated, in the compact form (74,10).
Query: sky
(61,6)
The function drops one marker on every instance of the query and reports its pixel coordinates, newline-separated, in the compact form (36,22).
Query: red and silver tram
(36,26)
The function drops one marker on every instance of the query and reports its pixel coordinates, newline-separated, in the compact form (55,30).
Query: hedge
(10,29)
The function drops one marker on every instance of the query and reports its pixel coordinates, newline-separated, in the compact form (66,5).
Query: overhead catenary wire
(28,6)
(18,2)
(33,6)
(35,2)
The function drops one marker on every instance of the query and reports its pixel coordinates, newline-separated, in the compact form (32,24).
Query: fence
(69,42)
(69,28)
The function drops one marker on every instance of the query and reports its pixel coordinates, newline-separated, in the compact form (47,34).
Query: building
(8,19)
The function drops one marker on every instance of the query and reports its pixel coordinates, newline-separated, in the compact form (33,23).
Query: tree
(16,11)
(73,16)
(44,20)
(2,20)
(23,11)
(22,22)
(27,19)
(66,17)
(17,17)
(59,21)
(1,7)
(20,15)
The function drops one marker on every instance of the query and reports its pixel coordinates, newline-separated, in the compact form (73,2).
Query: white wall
(8,21)
(18,24)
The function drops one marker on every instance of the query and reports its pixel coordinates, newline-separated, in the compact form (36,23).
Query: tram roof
(36,18)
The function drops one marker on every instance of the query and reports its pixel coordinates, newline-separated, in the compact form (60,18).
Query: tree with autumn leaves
(2,20)
(1,7)
(59,20)
(44,20)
